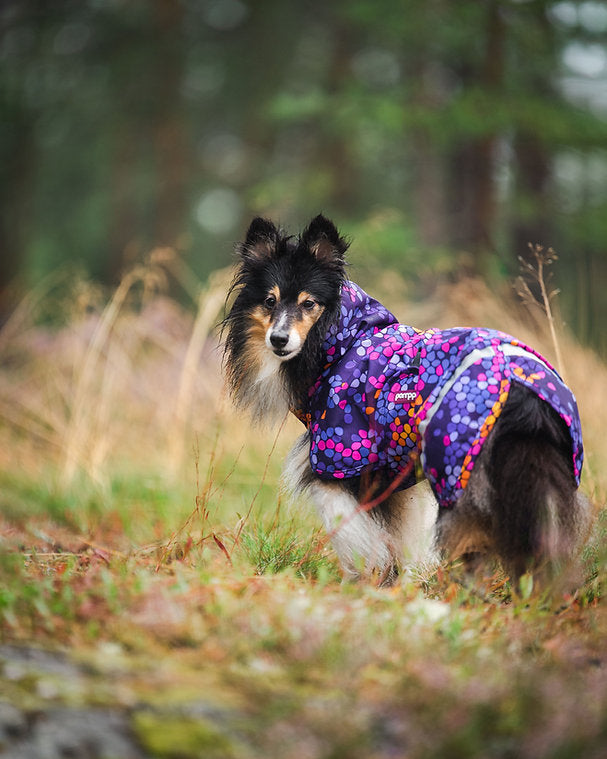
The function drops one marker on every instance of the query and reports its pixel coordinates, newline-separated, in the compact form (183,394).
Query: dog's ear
(323,240)
(260,241)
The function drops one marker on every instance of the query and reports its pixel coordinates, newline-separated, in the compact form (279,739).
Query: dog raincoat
(391,398)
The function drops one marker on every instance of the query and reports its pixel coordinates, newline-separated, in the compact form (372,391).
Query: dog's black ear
(324,241)
(260,229)
(260,241)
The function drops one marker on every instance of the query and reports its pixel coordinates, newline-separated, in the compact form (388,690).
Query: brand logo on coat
(405,396)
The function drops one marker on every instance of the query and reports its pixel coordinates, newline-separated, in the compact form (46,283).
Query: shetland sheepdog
(418,446)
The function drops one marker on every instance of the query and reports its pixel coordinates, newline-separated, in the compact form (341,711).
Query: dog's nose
(279,339)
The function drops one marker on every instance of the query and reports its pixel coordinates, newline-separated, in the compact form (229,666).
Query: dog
(419,445)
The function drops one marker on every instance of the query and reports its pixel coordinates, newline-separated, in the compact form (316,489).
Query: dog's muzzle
(283,344)
(278,341)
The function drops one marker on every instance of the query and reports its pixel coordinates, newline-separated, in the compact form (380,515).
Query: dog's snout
(279,339)
(282,339)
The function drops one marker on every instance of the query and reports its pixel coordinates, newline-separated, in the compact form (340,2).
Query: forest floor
(159,599)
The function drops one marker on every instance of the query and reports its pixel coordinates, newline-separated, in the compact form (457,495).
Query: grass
(273,549)
(167,578)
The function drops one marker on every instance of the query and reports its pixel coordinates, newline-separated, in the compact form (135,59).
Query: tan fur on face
(260,323)
(306,318)
(304,296)
(260,320)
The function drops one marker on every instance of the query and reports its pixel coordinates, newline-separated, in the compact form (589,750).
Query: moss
(177,737)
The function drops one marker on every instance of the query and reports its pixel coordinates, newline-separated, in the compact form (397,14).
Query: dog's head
(288,285)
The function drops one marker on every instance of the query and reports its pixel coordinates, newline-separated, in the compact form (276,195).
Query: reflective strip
(506,348)
(470,359)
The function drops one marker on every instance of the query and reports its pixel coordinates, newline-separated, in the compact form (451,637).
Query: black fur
(530,466)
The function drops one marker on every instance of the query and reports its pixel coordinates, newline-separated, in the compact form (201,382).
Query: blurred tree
(429,127)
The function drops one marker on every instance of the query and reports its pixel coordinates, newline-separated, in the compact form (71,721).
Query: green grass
(285,546)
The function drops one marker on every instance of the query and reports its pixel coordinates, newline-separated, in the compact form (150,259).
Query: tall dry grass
(128,382)
(133,382)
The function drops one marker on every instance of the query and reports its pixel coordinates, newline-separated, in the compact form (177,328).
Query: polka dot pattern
(391,397)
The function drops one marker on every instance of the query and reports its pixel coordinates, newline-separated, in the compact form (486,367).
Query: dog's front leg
(363,545)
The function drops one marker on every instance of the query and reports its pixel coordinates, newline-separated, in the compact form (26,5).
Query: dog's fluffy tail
(537,516)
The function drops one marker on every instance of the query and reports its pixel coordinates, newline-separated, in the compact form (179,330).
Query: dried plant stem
(201,506)
(210,301)
(536,273)
(84,406)
(245,519)
(546,298)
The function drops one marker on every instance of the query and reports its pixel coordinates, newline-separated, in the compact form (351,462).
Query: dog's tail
(537,515)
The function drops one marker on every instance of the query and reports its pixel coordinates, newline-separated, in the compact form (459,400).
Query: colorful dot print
(390,396)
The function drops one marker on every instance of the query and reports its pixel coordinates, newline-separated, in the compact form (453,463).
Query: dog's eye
(270,301)
(308,304)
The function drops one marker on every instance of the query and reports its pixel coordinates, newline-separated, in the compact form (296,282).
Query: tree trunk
(474,187)
(15,211)
(173,167)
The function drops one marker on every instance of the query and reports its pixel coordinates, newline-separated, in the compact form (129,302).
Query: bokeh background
(443,136)
(143,533)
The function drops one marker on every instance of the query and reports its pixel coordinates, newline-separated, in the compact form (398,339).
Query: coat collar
(359,314)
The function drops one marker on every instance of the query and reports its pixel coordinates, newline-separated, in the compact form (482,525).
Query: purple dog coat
(390,396)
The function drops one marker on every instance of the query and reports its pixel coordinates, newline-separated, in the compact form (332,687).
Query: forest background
(443,136)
